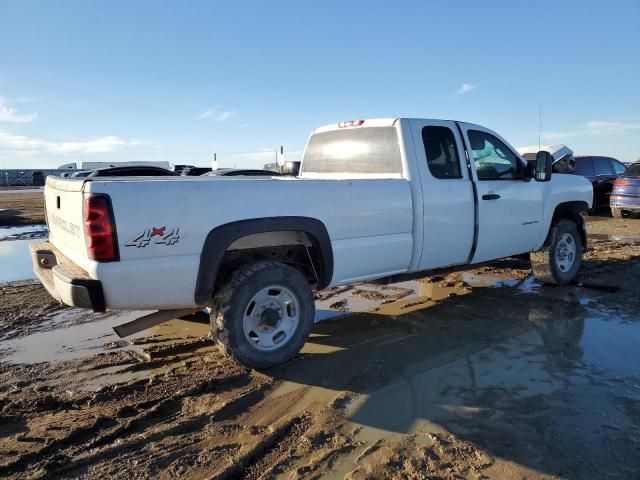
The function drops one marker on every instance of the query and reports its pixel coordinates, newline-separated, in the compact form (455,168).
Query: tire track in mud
(115,414)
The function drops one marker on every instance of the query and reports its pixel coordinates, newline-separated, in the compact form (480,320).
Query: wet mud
(479,374)
(21,207)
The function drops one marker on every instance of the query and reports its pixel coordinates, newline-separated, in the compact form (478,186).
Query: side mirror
(544,166)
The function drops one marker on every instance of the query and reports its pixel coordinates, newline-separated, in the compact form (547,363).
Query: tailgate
(63,199)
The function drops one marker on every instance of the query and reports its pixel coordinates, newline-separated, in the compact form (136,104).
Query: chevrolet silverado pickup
(375,199)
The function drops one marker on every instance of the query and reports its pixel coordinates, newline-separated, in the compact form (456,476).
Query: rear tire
(263,315)
(559,260)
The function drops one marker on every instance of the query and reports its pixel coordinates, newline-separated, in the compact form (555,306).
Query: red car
(625,196)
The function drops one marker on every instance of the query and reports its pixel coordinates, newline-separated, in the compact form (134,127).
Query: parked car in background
(80,174)
(195,171)
(179,168)
(625,196)
(601,172)
(242,172)
(131,172)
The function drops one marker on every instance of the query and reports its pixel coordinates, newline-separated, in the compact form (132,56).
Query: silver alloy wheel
(565,252)
(271,318)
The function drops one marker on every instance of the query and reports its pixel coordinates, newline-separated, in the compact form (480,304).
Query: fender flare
(220,238)
(574,208)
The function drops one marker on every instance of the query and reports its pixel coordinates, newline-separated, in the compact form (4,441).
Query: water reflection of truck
(374,199)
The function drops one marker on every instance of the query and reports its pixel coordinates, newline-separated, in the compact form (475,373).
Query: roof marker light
(350,123)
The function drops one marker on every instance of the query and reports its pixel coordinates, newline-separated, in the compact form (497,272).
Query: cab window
(441,151)
(492,158)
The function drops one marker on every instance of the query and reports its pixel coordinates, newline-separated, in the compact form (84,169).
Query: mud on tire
(263,315)
(548,264)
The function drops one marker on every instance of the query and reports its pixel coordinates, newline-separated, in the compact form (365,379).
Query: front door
(510,206)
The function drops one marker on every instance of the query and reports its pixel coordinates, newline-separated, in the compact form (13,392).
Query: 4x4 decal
(155,235)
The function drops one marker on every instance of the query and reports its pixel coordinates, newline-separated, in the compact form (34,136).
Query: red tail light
(622,181)
(100,229)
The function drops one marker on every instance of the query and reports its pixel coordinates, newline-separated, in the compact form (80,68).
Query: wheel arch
(574,211)
(222,237)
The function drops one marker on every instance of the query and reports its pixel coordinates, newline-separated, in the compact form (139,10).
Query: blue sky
(176,81)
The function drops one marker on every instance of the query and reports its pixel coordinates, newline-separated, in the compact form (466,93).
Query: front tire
(263,315)
(559,260)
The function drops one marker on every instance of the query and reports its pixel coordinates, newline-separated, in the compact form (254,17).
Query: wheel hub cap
(271,318)
(566,252)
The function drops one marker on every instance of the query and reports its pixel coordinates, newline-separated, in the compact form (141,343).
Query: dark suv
(601,172)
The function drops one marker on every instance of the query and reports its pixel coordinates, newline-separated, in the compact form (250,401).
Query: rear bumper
(625,202)
(64,280)
(630,207)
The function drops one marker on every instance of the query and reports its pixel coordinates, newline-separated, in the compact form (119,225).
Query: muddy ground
(21,207)
(481,374)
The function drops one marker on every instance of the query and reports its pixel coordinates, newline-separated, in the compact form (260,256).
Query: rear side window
(618,168)
(584,166)
(602,165)
(354,150)
(441,151)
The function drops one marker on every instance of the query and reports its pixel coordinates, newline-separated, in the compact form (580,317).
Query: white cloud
(206,114)
(224,116)
(465,88)
(610,128)
(218,114)
(10,114)
(595,128)
(23,144)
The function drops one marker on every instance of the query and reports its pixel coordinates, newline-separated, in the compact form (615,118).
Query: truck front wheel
(559,260)
(263,315)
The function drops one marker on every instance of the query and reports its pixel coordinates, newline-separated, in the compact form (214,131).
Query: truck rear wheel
(559,260)
(263,315)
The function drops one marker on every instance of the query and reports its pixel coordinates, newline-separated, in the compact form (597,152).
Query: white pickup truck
(375,199)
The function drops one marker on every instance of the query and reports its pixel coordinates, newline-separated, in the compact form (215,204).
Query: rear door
(510,206)
(447,194)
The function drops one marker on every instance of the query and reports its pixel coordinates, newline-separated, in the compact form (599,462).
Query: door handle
(490,196)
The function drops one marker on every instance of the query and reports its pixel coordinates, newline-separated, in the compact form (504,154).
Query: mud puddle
(614,238)
(16,261)
(402,297)
(65,335)
(23,232)
(539,380)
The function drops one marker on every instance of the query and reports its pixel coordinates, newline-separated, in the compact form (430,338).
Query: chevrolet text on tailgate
(375,199)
